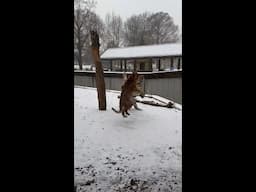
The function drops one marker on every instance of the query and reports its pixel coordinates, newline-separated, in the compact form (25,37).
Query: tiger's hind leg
(123,112)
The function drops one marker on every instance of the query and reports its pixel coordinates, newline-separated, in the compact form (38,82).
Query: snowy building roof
(161,50)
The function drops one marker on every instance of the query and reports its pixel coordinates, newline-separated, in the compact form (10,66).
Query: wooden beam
(167,74)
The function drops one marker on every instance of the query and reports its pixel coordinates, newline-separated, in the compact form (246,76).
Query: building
(162,57)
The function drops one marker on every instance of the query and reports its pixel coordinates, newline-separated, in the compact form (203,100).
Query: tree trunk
(80,60)
(100,83)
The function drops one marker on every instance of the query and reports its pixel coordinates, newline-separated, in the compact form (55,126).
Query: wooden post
(159,64)
(135,65)
(121,63)
(125,65)
(151,64)
(171,67)
(100,83)
(178,63)
(111,65)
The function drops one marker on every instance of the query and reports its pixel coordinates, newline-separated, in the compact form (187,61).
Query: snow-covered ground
(139,153)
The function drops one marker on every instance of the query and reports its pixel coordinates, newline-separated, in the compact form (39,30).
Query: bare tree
(148,28)
(114,30)
(136,30)
(162,28)
(81,34)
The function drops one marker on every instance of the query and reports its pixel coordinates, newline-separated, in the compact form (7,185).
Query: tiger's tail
(116,110)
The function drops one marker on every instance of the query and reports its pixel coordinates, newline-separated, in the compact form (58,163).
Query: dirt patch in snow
(123,173)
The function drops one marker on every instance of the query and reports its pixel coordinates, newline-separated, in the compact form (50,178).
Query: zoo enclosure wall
(165,84)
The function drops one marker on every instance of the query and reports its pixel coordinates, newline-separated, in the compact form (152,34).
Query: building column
(151,63)
(178,63)
(125,67)
(171,65)
(135,65)
(159,64)
(121,63)
(111,65)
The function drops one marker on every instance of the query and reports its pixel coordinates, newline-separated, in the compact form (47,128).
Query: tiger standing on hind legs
(130,89)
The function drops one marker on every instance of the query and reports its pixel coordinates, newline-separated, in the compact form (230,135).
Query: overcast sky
(126,8)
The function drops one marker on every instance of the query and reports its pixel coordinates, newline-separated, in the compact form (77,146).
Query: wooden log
(169,105)
(151,97)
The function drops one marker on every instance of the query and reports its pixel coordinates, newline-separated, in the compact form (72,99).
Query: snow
(139,153)
(169,49)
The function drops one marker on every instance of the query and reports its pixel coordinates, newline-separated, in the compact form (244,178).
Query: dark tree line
(85,20)
(142,29)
